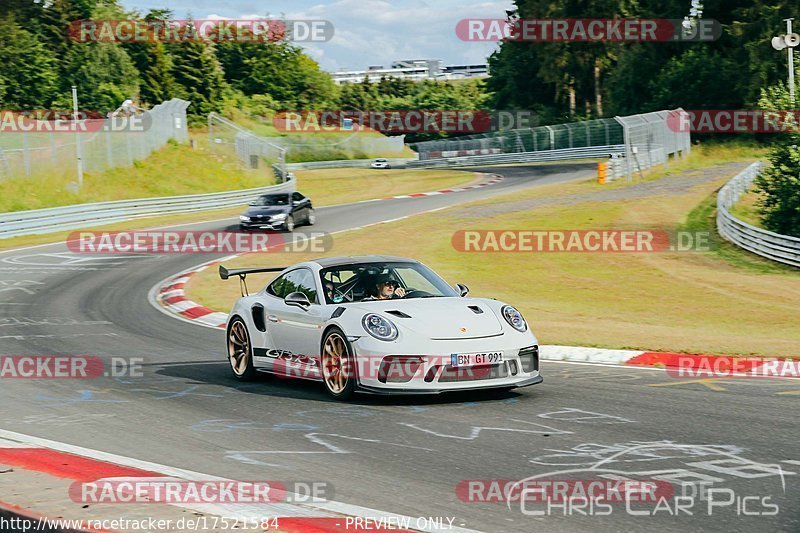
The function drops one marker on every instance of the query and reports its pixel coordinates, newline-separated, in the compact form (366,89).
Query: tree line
(559,81)
(41,63)
(601,79)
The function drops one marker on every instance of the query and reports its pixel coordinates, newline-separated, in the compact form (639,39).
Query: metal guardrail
(346,163)
(591,152)
(780,248)
(41,221)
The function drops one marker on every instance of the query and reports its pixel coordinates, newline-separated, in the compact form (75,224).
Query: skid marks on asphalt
(47,321)
(82,396)
(25,286)
(772,386)
(579,416)
(434,434)
(126,389)
(57,420)
(659,379)
(70,260)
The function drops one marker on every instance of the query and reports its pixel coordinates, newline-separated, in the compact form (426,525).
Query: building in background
(413,69)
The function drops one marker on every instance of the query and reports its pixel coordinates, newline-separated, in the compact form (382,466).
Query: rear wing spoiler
(224,273)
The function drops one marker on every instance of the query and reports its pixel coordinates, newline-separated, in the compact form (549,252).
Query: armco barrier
(40,221)
(592,152)
(345,163)
(781,248)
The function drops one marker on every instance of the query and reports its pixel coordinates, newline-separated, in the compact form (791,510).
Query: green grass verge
(175,169)
(178,169)
(346,185)
(746,209)
(703,218)
(708,155)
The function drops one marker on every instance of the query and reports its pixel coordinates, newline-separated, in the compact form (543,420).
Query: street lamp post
(78,148)
(789,41)
(791,58)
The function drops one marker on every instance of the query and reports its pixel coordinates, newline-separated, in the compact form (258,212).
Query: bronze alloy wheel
(239,350)
(337,365)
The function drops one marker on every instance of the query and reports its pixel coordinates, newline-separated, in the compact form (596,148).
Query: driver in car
(387,288)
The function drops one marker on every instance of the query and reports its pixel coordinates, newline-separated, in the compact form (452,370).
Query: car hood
(267,210)
(439,318)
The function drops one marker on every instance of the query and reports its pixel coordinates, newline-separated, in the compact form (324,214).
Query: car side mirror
(463,290)
(251,203)
(297,299)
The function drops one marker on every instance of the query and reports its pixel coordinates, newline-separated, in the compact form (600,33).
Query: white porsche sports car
(377,324)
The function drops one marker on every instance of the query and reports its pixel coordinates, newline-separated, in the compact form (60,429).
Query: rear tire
(337,365)
(240,351)
(312,217)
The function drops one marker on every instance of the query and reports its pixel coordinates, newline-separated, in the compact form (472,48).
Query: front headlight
(514,318)
(281,216)
(244,218)
(379,327)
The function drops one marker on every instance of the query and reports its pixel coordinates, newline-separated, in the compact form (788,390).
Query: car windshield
(272,199)
(360,282)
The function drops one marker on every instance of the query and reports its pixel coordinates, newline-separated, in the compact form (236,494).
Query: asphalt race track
(403,455)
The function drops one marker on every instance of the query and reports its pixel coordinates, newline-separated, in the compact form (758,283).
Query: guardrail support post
(53,149)
(109,150)
(552,137)
(26,153)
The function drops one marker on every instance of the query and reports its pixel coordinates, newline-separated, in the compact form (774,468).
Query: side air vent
(475,309)
(399,314)
(258,317)
(338,312)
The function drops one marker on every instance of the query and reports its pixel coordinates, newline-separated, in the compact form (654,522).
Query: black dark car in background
(278,211)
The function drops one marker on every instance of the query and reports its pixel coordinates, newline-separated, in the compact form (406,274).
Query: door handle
(272,318)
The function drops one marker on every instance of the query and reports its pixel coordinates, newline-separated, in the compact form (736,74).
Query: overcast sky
(367,32)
